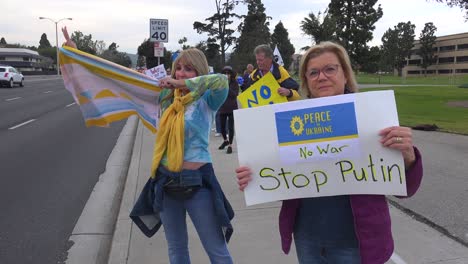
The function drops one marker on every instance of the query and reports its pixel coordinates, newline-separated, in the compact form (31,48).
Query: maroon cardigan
(371,219)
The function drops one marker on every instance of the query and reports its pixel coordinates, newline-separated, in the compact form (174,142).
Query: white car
(10,76)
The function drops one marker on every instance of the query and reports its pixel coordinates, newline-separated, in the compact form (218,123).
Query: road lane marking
(70,104)
(22,124)
(41,80)
(397,259)
(14,98)
(47,91)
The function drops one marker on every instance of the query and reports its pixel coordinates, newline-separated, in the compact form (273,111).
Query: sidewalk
(255,238)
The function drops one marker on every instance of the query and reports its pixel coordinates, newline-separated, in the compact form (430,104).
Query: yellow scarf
(170,136)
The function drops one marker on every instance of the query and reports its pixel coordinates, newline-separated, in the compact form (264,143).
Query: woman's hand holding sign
(400,138)
(284,91)
(243,175)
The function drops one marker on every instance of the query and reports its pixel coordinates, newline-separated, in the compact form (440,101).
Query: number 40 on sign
(159,30)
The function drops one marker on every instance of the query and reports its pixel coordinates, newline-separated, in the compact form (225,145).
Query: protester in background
(226,111)
(182,176)
(249,69)
(348,228)
(217,125)
(240,80)
(168,71)
(265,63)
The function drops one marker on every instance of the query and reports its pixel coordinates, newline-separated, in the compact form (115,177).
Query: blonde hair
(343,58)
(194,58)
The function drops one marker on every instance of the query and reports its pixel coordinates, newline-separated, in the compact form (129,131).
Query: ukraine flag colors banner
(317,124)
(107,92)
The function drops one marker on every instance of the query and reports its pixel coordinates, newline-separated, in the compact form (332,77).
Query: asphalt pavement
(255,240)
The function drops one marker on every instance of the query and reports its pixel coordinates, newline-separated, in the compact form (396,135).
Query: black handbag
(181,192)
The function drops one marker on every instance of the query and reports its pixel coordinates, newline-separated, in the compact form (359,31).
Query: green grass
(364,78)
(428,105)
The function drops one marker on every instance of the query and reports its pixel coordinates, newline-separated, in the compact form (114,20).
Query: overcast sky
(126,22)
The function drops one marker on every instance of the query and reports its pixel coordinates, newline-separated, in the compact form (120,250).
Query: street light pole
(56,38)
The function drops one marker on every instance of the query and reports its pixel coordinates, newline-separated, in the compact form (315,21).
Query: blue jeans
(309,252)
(324,231)
(218,122)
(201,211)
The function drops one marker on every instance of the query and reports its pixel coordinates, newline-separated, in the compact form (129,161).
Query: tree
(113,46)
(217,26)
(397,44)
(84,42)
(254,31)
(141,62)
(355,21)
(319,29)
(427,40)
(46,50)
(3,41)
(280,38)
(49,52)
(112,54)
(463,4)
(16,45)
(182,42)
(372,60)
(146,49)
(44,42)
(211,51)
(100,46)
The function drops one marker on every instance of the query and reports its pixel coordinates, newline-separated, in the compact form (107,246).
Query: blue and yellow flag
(107,92)
(316,124)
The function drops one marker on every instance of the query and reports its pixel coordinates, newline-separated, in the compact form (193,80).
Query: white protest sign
(157,72)
(320,147)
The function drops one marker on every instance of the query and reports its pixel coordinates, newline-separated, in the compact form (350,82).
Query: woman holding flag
(182,177)
(347,229)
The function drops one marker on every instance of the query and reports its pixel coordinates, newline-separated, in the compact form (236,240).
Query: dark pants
(227,123)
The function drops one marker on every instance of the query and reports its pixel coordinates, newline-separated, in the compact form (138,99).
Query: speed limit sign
(159,30)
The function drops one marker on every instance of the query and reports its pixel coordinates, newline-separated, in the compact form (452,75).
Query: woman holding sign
(347,228)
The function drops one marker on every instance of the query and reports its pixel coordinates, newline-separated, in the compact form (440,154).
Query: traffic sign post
(159,30)
(158,50)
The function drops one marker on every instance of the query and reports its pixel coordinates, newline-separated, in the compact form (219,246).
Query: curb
(91,238)
(119,252)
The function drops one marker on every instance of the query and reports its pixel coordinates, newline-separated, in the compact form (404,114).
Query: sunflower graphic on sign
(297,126)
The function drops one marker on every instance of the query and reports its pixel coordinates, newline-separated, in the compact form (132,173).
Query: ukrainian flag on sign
(316,124)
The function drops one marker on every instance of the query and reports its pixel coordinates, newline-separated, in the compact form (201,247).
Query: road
(49,164)
(442,199)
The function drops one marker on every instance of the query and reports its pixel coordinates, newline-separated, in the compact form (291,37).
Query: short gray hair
(265,49)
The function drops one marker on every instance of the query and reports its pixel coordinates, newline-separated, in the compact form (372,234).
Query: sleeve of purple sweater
(414,175)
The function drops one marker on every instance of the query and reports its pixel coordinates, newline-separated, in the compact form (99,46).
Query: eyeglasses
(330,70)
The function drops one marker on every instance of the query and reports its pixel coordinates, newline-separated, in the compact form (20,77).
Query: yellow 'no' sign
(262,92)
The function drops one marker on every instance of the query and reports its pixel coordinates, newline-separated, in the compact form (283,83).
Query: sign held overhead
(159,30)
